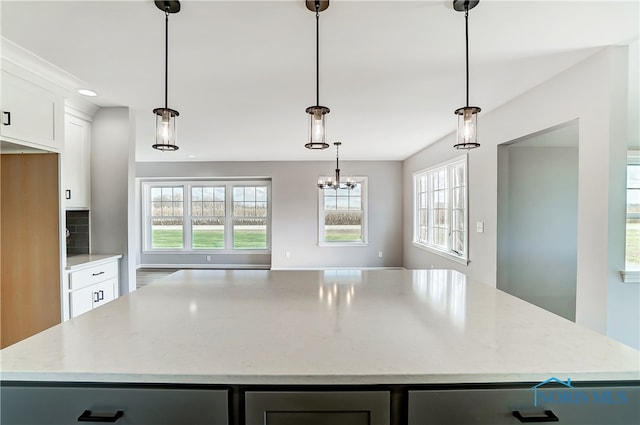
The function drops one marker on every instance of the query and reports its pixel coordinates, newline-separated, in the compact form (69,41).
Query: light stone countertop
(77,262)
(318,327)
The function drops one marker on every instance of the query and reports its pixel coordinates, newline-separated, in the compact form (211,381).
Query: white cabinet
(85,299)
(31,115)
(92,286)
(76,159)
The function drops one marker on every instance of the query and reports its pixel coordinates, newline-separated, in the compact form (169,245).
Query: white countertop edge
(314,379)
(77,262)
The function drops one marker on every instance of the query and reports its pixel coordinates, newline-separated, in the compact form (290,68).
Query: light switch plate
(480,227)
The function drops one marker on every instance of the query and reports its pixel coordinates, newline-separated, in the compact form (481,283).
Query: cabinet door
(149,405)
(76,159)
(104,292)
(30,114)
(317,408)
(82,300)
(579,405)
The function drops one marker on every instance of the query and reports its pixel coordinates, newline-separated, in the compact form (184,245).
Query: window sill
(206,252)
(444,254)
(630,276)
(339,244)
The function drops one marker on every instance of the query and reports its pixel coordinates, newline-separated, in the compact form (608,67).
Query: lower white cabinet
(317,407)
(61,404)
(85,299)
(93,286)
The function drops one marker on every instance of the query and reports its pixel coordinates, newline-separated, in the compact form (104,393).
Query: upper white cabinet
(31,115)
(76,159)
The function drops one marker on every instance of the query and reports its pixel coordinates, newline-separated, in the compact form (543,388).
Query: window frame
(364,203)
(187,217)
(630,273)
(417,241)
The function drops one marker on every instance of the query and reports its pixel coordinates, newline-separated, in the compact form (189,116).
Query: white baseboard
(337,268)
(205,266)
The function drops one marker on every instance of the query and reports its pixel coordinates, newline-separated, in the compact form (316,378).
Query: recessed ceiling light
(191,156)
(87,92)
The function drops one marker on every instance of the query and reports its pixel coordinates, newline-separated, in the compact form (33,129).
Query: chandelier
(334,182)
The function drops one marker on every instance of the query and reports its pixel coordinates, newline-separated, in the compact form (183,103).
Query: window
(167,217)
(216,216)
(440,221)
(343,215)
(208,215)
(250,217)
(632,253)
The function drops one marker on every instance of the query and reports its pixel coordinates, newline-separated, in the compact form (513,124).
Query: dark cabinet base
(596,403)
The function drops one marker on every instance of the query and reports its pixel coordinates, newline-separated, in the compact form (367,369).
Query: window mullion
(187,222)
(228,219)
(450,171)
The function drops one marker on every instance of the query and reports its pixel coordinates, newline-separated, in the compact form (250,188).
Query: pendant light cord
(317,3)
(466,40)
(166,58)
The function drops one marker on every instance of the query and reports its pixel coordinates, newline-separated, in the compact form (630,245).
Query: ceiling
(241,73)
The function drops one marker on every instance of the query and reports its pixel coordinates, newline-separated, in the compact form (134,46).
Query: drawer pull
(8,116)
(97,274)
(87,416)
(547,416)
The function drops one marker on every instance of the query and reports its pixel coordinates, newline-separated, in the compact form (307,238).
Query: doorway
(537,218)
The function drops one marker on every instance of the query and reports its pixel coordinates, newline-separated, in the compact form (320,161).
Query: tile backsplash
(78,227)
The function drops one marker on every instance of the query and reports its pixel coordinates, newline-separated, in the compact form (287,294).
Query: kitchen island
(255,335)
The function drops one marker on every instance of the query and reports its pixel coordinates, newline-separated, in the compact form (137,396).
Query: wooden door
(29,248)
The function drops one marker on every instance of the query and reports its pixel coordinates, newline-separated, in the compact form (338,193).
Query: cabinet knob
(88,416)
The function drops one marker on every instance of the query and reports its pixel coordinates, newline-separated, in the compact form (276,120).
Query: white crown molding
(25,64)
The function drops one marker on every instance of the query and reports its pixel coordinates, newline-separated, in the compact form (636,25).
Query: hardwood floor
(147,276)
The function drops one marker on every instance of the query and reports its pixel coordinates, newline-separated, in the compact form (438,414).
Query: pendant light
(468,115)
(317,113)
(335,183)
(166,117)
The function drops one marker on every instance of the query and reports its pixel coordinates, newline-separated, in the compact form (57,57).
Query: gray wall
(537,231)
(294,210)
(111,158)
(596,92)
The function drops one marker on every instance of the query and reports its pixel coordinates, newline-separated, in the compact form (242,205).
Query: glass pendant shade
(317,127)
(467,127)
(166,129)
